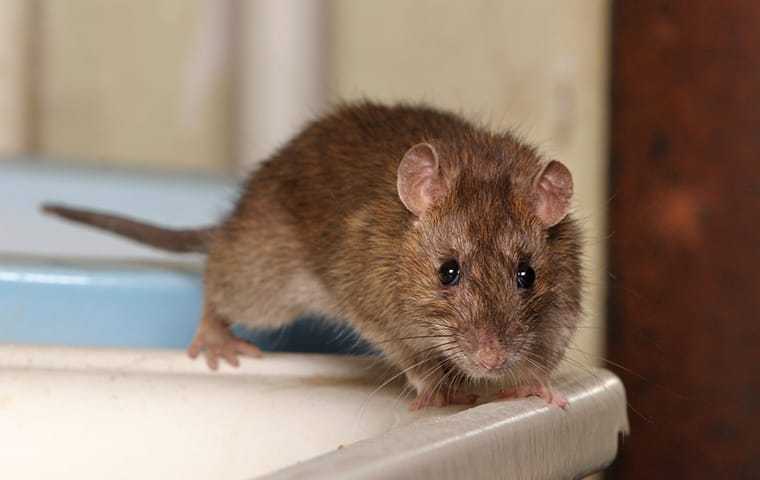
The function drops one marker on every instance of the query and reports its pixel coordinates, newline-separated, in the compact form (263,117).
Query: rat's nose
(491,356)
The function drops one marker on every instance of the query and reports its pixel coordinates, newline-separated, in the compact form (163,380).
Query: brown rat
(447,246)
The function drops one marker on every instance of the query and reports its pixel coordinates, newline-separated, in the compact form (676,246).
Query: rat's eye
(449,272)
(525,276)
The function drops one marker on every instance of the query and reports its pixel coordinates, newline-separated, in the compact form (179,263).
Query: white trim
(282,73)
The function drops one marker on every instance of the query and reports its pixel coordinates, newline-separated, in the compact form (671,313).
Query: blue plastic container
(67,285)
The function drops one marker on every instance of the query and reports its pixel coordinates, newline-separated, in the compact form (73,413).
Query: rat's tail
(181,241)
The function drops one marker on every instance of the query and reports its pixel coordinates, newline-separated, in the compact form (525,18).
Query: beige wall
(15,72)
(538,67)
(113,85)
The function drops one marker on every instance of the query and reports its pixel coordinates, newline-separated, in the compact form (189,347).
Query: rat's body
(356,218)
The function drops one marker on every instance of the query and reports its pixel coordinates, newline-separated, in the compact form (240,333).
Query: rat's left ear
(553,191)
(419,181)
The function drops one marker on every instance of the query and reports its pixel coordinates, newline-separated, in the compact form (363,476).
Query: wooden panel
(685,250)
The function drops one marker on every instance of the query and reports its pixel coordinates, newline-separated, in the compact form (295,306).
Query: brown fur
(319,228)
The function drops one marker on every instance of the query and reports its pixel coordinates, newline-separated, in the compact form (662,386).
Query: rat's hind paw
(552,397)
(225,346)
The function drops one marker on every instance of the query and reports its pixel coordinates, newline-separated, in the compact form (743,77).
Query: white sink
(110,413)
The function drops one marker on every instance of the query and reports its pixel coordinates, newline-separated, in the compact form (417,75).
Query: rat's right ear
(554,191)
(419,181)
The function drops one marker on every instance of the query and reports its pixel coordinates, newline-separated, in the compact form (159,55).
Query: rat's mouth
(493,359)
(486,366)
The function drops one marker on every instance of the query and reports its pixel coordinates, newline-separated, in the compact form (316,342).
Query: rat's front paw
(442,399)
(220,343)
(549,395)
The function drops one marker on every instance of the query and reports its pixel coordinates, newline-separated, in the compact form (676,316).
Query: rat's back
(337,178)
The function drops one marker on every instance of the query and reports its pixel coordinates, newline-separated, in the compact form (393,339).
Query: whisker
(590,372)
(450,346)
(630,371)
(414,337)
(610,362)
(440,383)
(403,394)
(392,378)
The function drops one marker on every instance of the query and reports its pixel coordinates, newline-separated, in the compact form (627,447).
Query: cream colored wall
(15,71)
(113,86)
(538,67)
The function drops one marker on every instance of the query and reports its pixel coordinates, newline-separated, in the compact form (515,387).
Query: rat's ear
(554,190)
(419,180)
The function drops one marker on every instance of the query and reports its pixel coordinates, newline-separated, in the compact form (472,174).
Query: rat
(449,247)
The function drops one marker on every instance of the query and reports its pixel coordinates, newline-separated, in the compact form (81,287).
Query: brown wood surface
(684,303)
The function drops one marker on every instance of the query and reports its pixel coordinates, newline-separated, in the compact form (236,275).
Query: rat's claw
(427,399)
(227,347)
(194,349)
(231,357)
(550,396)
(461,398)
(212,360)
(245,348)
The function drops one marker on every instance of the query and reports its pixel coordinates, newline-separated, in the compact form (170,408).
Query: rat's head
(494,258)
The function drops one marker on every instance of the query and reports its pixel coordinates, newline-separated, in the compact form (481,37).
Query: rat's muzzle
(490,354)
(491,357)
